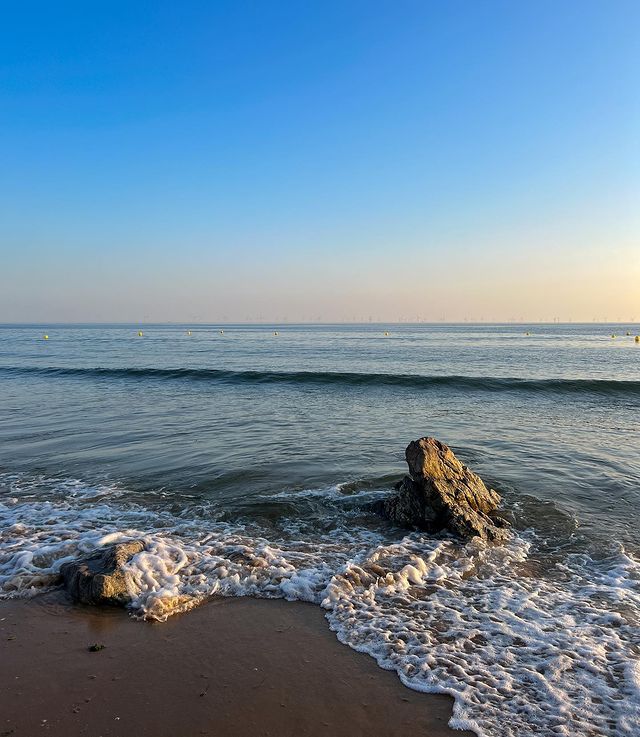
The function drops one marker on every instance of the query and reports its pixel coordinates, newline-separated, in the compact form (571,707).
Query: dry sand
(233,668)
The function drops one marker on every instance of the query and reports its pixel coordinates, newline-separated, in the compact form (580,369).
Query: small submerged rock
(441,493)
(99,578)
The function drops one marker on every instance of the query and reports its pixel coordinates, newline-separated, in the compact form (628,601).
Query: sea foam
(526,644)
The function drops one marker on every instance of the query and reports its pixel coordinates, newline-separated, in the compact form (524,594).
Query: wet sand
(231,668)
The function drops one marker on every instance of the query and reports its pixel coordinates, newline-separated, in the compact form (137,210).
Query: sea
(246,457)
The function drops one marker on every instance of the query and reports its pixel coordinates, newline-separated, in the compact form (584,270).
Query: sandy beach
(233,667)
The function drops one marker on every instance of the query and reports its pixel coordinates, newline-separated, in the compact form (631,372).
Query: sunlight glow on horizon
(433,162)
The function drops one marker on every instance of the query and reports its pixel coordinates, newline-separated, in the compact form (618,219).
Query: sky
(320,161)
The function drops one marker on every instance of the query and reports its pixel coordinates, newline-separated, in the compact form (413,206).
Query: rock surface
(99,578)
(442,494)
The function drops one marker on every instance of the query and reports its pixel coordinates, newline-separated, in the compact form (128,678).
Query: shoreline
(232,667)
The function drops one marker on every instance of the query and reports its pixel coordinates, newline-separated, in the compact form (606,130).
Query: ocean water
(246,461)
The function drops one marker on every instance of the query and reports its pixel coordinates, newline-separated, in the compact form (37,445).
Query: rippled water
(246,461)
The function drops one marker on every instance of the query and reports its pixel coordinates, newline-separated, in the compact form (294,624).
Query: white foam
(337,492)
(523,651)
(521,654)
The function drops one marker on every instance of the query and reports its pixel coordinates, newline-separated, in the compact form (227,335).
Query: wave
(334,378)
(522,654)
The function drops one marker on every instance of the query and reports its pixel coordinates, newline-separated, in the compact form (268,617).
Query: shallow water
(246,461)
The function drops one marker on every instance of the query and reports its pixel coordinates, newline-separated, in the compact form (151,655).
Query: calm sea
(246,456)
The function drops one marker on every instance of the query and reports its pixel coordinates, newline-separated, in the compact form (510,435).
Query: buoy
(637,338)
(45,337)
(140,333)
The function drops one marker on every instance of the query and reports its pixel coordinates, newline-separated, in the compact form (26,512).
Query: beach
(320,370)
(232,667)
(252,478)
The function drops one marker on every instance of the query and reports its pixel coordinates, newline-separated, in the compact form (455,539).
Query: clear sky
(438,159)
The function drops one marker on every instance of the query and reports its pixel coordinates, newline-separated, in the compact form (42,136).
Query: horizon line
(304,322)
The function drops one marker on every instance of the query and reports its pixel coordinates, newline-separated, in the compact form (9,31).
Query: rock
(99,578)
(442,494)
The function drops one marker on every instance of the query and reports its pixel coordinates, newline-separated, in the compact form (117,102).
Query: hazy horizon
(294,323)
(327,163)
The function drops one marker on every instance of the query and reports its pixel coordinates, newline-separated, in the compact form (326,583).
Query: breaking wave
(526,646)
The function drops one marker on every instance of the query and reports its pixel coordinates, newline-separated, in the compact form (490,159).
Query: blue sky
(320,160)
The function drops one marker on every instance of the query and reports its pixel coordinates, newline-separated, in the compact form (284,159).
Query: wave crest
(321,378)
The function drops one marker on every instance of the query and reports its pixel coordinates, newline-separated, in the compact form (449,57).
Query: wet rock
(99,578)
(441,493)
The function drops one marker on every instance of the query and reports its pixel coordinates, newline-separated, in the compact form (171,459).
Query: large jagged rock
(442,494)
(99,578)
